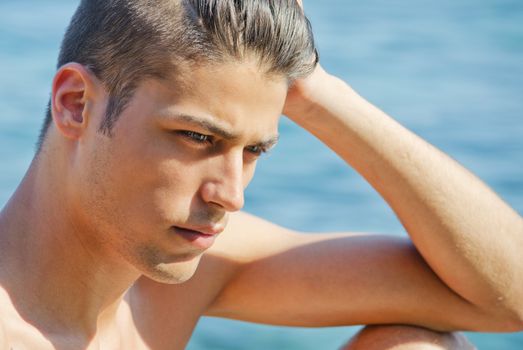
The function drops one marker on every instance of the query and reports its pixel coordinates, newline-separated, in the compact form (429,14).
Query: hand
(295,96)
(301,95)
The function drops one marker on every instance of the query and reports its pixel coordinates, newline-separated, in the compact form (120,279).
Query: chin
(174,273)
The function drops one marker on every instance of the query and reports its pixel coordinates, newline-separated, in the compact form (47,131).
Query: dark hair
(125,41)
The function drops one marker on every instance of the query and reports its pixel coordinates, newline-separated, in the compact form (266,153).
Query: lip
(201,237)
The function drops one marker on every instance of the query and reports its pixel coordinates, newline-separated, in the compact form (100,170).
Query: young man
(126,228)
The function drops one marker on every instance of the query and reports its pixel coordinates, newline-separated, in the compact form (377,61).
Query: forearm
(463,230)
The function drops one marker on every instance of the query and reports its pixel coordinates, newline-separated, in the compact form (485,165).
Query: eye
(195,136)
(256,150)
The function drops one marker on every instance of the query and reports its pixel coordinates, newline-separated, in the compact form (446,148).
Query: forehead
(243,79)
(237,95)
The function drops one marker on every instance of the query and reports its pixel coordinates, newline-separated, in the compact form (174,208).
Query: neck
(57,279)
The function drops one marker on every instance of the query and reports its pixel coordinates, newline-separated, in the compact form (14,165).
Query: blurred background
(451,71)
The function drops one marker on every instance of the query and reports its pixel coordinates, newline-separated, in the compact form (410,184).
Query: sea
(451,71)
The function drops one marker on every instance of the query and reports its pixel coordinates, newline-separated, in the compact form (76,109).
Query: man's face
(158,191)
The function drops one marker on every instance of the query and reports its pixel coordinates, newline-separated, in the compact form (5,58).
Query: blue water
(452,71)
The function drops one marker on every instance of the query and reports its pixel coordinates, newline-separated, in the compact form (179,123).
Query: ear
(74,88)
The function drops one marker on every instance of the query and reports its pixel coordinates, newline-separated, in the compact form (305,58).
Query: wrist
(318,95)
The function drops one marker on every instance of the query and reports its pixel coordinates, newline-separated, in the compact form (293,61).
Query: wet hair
(123,42)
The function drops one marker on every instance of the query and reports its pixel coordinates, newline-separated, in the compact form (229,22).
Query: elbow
(514,313)
(503,315)
(510,319)
(513,325)
(507,308)
(516,321)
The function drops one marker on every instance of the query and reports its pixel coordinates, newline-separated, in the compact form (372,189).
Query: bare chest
(131,331)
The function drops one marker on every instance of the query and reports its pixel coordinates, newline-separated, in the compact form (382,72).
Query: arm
(463,271)
(464,231)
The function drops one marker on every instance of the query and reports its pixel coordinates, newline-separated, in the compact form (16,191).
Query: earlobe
(73,88)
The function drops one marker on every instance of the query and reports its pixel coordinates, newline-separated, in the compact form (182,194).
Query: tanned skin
(124,242)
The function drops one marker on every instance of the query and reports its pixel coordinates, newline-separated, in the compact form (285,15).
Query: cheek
(157,195)
(138,184)
(174,190)
(248,174)
(113,187)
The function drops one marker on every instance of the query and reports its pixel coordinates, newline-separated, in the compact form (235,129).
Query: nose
(225,183)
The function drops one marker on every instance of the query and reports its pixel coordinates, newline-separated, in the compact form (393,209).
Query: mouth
(202,238)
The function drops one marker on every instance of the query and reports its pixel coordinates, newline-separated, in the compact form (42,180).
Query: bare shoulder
(249,238)
(5,307)
(245,239)
(15,332)
(168,313)
(3,335)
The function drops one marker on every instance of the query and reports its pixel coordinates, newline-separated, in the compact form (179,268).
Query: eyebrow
(208,125)
(269,143)
(215,129)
